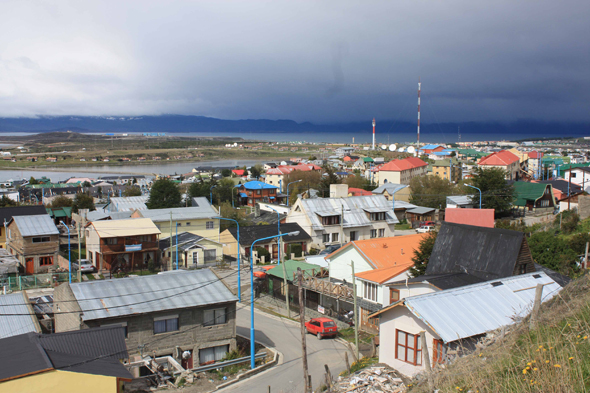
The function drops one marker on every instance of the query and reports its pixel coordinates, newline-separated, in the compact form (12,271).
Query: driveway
(285,336)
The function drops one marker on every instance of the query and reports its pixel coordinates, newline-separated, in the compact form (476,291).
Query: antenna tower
(419,87)
(373,133)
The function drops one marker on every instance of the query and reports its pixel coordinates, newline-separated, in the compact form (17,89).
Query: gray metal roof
(9,264)
(161,292)
(353,209)
(475,309)
(120,204)
(460,199)
(421,210)
(204,210)
(12,325)
(37,225)
(389,187)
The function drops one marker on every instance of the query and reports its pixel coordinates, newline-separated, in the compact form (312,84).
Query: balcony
(128,247)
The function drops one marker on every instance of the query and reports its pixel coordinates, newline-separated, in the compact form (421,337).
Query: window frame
(41,239)
(326,238)
(417,347)
(373,233)
(167,320)
(44,258)
(210,225)
(208,321)
(335,237)
(391,292)
(381,232)
(437,351)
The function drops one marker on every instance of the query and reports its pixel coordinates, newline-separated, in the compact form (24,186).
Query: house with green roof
(533,196)
(275,277)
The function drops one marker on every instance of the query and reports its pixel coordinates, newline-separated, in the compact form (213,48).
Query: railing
(46,280)
(328,288)
(107,248)
(232,362)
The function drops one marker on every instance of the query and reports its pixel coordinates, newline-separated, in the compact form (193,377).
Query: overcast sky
(319,61)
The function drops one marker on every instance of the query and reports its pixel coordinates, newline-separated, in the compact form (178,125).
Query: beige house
(193,251)
(34,241)
(124,245)
(199,220)
(503,159)
(401,171)
(340,220)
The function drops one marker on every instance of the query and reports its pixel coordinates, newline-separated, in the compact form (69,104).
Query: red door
(187,363)
(30,266)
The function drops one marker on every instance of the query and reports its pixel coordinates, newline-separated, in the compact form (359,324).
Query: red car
(322,327)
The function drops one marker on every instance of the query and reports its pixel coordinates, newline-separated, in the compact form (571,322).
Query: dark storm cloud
(301,60)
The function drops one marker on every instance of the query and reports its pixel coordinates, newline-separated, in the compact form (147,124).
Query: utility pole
(356,316)
(79,255)
(170,247)
(302,322)
(342,225)
(286,284)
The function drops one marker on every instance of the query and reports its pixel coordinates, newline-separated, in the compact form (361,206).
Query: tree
(83,201)
(32,180)
(431,191)
(5,202)
(200,188)
(223,191)
(86,184)
(356,181)
(227,211)
(164,194)
(328,178)
(256,171)
(496,192)
(61,201)
(553,252)
(578,242)
(422,254)
(130,191)
(226,172)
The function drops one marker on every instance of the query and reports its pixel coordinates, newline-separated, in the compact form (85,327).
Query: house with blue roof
(253,192)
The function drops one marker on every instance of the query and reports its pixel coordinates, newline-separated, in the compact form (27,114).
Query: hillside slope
(554,357)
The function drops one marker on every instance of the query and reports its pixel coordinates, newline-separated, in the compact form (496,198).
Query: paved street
(285,336)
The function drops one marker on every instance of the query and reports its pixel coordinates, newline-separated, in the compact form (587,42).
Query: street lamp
(211,194)
(288,195)
(239,265)
(295,233)
(70,251)
(479,193)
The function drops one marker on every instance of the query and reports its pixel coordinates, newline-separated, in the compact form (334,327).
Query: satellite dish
(411,149)
(392,147)
(383,147)
(401,149)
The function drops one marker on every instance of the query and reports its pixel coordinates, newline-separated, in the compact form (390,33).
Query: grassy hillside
(554,357)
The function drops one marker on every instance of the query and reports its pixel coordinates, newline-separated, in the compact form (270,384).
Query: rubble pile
(371,380)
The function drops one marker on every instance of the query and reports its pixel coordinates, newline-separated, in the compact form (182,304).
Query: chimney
(402,251)
(384,245)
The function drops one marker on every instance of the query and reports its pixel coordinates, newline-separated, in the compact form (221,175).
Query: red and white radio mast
(373,133)
(419,86)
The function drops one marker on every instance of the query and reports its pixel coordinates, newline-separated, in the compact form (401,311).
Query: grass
(359,365)
(90,277)
(348,335)
(403,227)
(554,357)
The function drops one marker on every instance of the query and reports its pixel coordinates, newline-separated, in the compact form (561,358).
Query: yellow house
(448,169)
(199,220)
(6,214)
(86,360)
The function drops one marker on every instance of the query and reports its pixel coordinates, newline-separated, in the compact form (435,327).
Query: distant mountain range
(212,126)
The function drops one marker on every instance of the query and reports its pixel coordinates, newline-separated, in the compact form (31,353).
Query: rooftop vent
(536,276)
(497,284)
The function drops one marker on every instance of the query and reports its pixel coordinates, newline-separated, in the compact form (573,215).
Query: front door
(187,360)
(30,266)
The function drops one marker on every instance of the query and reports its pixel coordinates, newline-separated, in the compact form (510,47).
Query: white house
(454,317)
(340,220)
(579,176)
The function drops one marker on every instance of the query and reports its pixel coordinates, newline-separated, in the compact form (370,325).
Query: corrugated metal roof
(168,291)
(460,199)
(37,225)
(353,209)
(475,309)
(122,228)
(120,204)
(421,210)
(12,325)
(181,213)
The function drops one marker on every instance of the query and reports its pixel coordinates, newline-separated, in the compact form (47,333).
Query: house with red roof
(502,159)
(534,160)
(352,191)
(276,176)
(238,172)
(401,171)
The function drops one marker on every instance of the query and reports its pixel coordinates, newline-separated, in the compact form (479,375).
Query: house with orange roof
(477,217)
(377,262)
(401,171)
(358,192)
(502,159)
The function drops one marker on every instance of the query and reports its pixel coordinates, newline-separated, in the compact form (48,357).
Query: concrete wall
(584,206)
(412,289)
(66,309)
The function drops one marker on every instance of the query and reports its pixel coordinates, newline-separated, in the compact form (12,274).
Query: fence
(47,280)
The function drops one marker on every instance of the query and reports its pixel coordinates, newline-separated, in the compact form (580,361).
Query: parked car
(424,229)
(330,249)
(427,223)
(85,266)
(322,327)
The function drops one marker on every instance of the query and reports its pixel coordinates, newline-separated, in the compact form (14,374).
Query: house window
(195,258)
(353,236)
(258,192)
(45,261)
(326,238)
(370,291)
(166,324)
(42,239)
(213,354)
(179,224)
(331,220)
(378,216)
(209,225)
(408,348)
(124,324)
(214,317)
(393,295)
(110,240)
(209,255)
(188,224)
(382,232)
(373,233)
(437,351)
(522,268)
(335,237)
